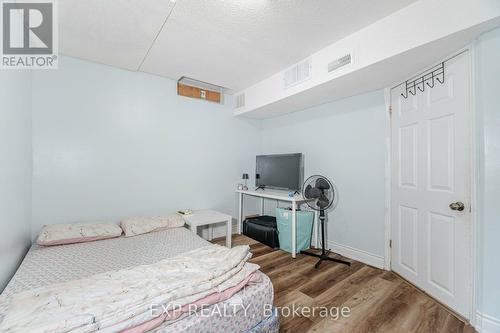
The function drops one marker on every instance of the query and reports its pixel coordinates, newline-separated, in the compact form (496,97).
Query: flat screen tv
(280,171)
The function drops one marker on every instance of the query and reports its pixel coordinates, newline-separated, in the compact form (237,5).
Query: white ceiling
(112,32)
(231,43)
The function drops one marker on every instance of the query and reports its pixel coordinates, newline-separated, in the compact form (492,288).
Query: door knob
(457,206)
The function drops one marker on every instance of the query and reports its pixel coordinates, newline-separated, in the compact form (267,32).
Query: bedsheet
(47,265)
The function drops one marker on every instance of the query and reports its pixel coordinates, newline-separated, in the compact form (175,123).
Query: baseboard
(344,250)
(486,323)
(356,254)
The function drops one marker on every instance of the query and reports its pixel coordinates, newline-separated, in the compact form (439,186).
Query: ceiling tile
(116,33)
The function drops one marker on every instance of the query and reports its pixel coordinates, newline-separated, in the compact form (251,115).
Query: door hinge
(390,243)
(390,109)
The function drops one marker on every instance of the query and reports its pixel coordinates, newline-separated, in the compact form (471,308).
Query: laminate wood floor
(379,301)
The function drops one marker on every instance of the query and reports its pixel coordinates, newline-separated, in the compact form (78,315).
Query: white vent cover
(240,100)
(340,62)
(297,74)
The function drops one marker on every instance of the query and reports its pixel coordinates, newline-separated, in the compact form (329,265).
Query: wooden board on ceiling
(195,92)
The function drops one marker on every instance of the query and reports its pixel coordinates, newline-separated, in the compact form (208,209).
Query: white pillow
(68,233)
(140,225)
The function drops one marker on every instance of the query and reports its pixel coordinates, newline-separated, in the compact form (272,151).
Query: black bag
(262,229)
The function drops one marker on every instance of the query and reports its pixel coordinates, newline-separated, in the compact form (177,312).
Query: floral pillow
(140,225)
(68,233)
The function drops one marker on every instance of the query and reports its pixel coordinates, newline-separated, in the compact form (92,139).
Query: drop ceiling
(231,43)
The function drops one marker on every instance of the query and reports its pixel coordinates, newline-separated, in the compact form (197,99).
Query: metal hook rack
(427,79)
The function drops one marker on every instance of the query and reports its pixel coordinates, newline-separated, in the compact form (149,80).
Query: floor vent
(240,100)
(340,62)
(298,73)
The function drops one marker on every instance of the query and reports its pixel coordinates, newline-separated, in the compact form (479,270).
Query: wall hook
(436,73)
(414,91)
(405,94)
(442,74)
(423,85)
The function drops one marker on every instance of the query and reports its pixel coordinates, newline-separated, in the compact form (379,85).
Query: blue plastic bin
(305,221)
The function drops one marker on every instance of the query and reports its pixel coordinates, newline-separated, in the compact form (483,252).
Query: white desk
(209,217)
(280,196)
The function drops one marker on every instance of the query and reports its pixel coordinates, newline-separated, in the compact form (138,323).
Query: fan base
(324,256)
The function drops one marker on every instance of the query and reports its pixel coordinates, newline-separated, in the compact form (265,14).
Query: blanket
(115,301)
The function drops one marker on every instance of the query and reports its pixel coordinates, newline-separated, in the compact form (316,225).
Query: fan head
(320,193)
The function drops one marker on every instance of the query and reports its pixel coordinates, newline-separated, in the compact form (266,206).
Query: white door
(431,135)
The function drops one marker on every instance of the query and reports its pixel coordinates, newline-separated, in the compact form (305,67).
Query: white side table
(209,217)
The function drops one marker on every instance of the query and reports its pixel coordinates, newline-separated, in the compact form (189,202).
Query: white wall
(344,141)
(15,170)
(110,144)
(488,111)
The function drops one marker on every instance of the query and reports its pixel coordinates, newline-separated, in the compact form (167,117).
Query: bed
(47,265)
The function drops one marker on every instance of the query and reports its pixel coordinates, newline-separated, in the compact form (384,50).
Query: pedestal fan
(320,195)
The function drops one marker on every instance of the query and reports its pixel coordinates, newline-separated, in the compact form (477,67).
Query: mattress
(47,265)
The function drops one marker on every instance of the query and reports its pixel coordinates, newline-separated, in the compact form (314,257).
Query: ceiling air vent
(240,100)
(340,62)
(298,73)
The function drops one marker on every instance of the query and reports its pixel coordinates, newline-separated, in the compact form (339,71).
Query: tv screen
(283,171)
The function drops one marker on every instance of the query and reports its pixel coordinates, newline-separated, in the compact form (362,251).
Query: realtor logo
(29,35)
